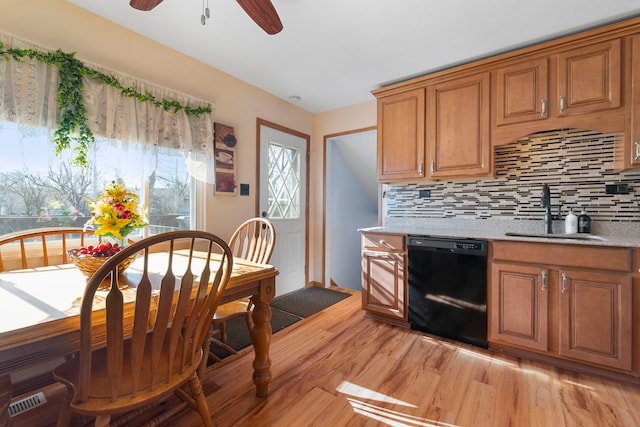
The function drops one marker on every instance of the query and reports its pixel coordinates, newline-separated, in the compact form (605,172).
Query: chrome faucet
(545,202)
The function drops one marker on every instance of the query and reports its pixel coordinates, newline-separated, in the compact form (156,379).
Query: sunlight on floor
(365,393)
(383,415)
(393,418)
(485,357)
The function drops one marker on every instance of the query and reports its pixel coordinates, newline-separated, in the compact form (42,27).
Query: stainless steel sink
(558,236)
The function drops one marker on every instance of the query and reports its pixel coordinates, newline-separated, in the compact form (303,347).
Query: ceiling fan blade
(145,5)
(263,13)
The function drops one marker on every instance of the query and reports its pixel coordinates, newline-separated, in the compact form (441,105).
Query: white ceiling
(332,53)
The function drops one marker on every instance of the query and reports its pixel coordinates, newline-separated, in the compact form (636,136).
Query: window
(39,189)
(284,182)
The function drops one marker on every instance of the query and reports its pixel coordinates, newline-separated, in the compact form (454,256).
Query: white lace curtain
(28,91)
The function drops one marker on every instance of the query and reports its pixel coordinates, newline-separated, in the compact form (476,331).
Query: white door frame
(261,122)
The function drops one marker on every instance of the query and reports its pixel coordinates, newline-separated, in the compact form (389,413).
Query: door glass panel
(284,182)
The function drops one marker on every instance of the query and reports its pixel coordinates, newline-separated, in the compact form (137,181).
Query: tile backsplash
(575,163)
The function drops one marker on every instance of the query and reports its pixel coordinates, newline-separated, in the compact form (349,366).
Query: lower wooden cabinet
(559,307)
(595,318)
(384,286)
(519,301)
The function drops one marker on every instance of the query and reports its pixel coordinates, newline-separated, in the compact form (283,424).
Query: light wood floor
(339,369)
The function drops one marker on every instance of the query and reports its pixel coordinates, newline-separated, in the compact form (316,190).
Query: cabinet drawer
(579,256)
(383,242)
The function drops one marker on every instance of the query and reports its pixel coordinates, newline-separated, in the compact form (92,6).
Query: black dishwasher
(448,287)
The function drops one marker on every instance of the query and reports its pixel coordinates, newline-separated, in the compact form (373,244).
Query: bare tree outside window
(40,189)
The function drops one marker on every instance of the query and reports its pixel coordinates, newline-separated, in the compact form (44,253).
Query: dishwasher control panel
(448,244)
(474,246)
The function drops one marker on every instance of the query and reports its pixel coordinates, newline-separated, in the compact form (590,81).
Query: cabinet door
(589,78)
(631,156)
(519,301)
(521,92)
(458,127)
(595,318)
(383,289)
(401,136)
(383,275)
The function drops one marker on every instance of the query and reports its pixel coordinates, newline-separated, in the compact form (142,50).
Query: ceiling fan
(261,11)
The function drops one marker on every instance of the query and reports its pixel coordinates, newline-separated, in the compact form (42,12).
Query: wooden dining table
(39,313)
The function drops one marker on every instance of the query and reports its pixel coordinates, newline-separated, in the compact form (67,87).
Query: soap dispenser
(571,223)
(584,222)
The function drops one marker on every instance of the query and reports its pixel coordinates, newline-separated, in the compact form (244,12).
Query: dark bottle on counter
(584,222)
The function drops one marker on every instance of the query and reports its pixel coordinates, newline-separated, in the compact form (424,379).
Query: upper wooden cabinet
(455,123)
(443,125)
(588,79)
(522,92)
(628,148)
(401,135)
(457,127)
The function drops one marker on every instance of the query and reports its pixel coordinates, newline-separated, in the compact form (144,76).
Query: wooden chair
(164,349)
(253,240)
(41,247)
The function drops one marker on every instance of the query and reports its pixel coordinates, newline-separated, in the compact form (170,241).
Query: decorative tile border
(576,164)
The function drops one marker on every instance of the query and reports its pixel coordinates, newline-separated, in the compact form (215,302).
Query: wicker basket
(88,264)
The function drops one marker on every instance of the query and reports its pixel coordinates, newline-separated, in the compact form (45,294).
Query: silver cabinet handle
(565,283)
(433,166)
(637,143)
(543,108)
(562,104)
(420,168)
(378,254)
(544,280)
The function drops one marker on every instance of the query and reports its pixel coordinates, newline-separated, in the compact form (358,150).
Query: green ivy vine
(72,129)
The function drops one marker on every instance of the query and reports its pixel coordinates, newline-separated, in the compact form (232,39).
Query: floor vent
(23,405)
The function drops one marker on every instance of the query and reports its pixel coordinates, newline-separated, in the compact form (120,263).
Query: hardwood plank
(338,368)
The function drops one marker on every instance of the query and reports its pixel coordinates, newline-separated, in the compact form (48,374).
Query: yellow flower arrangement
(115,212)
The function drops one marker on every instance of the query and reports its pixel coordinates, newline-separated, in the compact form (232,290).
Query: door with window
(283,200)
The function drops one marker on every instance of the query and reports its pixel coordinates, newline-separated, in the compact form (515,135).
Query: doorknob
(263,214)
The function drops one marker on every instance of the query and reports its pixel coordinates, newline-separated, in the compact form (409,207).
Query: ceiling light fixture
(206,14)
(294,99)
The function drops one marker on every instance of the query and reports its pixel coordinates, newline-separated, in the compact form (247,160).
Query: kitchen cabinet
(629,146)
(519,305)
(595,318)
(401,135)
(570,302)
(444,136)
(444,125)
(522,92)
(384,281)
(588,80)
(457,133)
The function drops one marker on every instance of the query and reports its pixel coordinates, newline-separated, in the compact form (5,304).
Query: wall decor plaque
(226,165)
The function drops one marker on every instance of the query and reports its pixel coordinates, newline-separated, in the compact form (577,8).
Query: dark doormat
(308,301)
(285,311)
(238,334)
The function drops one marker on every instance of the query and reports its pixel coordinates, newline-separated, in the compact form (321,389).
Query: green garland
(72,126)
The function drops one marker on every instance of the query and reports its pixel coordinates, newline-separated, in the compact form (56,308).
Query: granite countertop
(618,234)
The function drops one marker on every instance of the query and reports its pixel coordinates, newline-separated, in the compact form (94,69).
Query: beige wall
(60,24)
